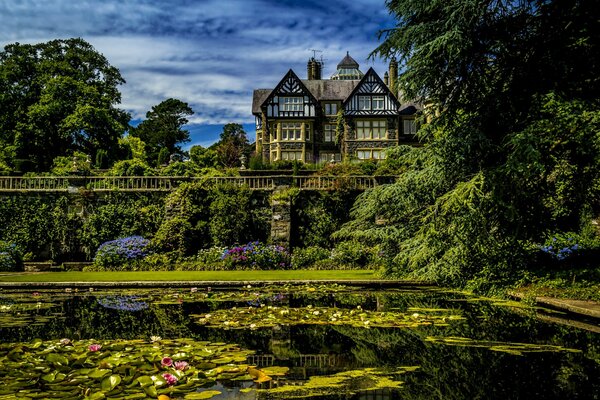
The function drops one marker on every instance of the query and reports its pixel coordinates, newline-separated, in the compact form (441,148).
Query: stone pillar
(281,220)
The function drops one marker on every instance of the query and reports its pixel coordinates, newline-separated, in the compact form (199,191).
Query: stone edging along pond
(375,284)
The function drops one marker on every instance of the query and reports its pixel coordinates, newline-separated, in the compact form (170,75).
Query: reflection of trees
(83,317)
(445,372)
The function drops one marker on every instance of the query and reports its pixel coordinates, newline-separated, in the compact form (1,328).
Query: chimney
(385,79)
(317,69)
(310,70)
(393,78)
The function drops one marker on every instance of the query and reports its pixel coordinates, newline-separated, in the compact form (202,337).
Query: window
(364,102)
(331,108)
(410,127)
(307,132)
(291,155)
(371,154)
(371,129)
(291,130)
(378,102)
(291,104)
(328,156)
(329,133)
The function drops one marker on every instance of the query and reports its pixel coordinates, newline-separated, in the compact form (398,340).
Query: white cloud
(210,54)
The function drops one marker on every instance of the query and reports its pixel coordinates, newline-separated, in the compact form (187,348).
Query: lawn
(280,275)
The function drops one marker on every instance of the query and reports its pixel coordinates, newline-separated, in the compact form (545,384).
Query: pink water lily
(181,365)
(171,379)
(166,362)
(94,347)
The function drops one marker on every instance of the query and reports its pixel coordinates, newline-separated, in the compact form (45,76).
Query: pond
(281,342)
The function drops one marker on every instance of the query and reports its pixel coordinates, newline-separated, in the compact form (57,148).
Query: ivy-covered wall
(70,227)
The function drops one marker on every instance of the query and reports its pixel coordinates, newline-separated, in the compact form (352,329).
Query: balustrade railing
(167,183)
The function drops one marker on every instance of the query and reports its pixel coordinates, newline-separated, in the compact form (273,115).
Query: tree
(513,153)
(58,97)
(162,128)
(203,157)
(232,145)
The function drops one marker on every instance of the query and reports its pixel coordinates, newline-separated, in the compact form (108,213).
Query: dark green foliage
(76,164)
(229,217)
(120,216)
(316,215)
(133,167)
(256,163)
(11,258)
(163,157)
(305,258)
(232,145)
(42,227)
(185,227)
(102,159)
(203,157)
(513,153)
(57,97)
(162,130)
(179,168)
(174,236)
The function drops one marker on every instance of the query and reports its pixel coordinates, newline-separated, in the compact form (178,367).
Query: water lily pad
(110,382)
(202,395)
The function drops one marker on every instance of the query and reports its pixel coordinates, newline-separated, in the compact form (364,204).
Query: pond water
(330,342)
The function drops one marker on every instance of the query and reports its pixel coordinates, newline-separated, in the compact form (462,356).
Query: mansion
(352,115)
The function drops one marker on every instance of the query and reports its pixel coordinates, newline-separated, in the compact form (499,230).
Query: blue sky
(208,53)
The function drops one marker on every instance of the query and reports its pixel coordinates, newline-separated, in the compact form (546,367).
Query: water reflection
(321,349)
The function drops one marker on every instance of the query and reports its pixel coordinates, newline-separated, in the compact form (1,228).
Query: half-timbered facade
(350,116)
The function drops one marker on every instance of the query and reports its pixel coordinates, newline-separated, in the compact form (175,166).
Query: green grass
(74,276)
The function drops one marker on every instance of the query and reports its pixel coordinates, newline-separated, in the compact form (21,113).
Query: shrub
(229,219)
(352,253)
(570,247)
(307,257)
(213,255)
(101,159)
(10,257)
(174,235)
(179,168)
(256,255)
(69,165)
(116,254)
(134,167)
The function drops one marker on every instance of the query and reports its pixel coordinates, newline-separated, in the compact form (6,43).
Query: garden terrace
(168,183)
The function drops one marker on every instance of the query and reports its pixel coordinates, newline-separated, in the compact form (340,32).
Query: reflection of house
(351,115)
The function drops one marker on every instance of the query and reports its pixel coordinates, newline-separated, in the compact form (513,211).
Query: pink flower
(171,379)
(94,347)
(181,365)
(166,362)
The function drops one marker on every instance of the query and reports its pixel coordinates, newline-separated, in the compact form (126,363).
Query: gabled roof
(288,83)
(328,89)
(371,73)
(320,89)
